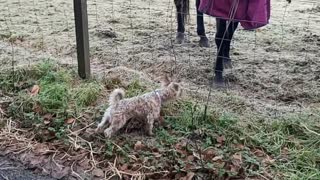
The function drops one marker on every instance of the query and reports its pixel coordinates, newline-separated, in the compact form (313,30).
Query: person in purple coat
(251,14)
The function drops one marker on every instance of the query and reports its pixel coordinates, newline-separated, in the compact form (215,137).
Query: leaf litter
(171,154)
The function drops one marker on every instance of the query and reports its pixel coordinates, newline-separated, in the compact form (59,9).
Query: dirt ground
(276,69)
(10,169)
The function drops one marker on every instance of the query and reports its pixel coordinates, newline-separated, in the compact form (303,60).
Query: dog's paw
(107,133)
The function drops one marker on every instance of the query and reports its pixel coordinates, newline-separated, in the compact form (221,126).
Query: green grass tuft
(54,97)
(59,92)
(87,93)
(135,88)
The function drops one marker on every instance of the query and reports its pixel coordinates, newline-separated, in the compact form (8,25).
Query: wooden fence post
(82,37)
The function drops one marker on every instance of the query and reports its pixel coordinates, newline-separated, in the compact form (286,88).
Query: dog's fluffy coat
(146,106)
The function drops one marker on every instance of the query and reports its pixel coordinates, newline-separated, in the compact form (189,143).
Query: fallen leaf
(40,149)
(240,146)
(157,155)
(35,90)
(46,122)
(268,160)
(189,166)
(189,176)
(208,154)
(190,158)
(259,153)
(181,145)
(47,119)
(37,109)
(138,146)
(98,172)
(237,156)
(221,139)
(217,158)
(70,120)
(237,160)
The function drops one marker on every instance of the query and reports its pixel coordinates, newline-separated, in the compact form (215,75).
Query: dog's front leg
(108,132)
(150,122)
(106,117)
(151,118)
(118,121)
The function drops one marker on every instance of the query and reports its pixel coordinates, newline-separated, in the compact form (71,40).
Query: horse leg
(204,42)
(180,20)
(221,26)
(226,51)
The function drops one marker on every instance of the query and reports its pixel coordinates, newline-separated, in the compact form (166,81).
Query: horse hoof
(204,42)
(218,82)
(180,38)
(227,64)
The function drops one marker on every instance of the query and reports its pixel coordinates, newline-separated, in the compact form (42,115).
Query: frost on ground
(274,96)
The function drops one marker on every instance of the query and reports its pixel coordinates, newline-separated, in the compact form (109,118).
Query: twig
(92,167)
(73,172)
(117,146)
(2,112)
(8,168)
(58,165)
(9,125)
(262,176)
(91,153)
(4,177)
(311,131)
(145,174)
(77,131)
(114,165)
(81,146)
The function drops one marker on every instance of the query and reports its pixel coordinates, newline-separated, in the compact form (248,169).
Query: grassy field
(266,125)
(56,112)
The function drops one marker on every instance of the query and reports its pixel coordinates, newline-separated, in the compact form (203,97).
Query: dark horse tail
(184,7)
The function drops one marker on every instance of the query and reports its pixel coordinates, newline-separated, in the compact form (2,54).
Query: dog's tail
(116,96)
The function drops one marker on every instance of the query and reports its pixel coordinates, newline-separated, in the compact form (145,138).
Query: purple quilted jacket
(251,14)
